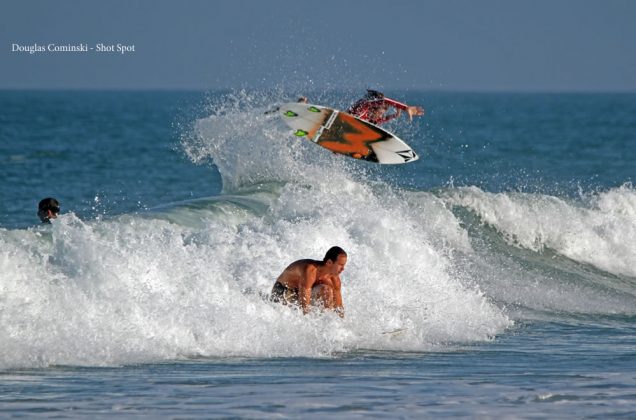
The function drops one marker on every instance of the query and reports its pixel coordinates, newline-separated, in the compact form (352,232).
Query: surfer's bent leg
(322,295)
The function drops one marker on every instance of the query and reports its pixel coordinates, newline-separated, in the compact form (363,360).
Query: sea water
(494,277)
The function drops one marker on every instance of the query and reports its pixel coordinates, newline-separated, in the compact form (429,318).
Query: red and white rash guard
(367,109)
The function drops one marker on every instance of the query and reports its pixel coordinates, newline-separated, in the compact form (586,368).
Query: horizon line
(397,89)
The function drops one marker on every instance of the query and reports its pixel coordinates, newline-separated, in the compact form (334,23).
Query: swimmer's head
(48,209)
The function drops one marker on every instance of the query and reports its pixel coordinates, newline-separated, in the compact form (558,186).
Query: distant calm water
(507,254)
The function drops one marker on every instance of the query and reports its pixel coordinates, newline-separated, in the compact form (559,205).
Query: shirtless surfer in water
(305,282)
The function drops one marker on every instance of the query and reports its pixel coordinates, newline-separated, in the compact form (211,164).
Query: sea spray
(191,279)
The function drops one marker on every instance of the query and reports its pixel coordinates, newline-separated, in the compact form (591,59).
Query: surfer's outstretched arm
(410,109)
(414,110)
(390,117)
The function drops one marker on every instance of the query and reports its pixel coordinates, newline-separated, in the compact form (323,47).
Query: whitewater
(458,267)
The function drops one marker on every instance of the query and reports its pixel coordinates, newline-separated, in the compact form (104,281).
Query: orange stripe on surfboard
(350,136)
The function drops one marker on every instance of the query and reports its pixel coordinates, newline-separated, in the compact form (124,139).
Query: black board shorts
(283,294)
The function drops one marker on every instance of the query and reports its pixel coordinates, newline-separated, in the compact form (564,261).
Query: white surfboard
(345,134)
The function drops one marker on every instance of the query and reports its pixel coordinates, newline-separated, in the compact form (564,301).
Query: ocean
(495,277)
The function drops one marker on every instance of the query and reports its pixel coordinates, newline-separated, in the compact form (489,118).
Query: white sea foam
(599,230)
(188,281)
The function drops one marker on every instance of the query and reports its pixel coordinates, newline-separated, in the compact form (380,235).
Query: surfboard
(345,134)
(396,332)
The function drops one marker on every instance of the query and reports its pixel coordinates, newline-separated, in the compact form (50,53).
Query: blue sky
(488,45)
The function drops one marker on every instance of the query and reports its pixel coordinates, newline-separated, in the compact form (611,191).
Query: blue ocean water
(506,256)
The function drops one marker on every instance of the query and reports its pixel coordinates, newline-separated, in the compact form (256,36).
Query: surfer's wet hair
(374,94)
(45,205)
(333,254)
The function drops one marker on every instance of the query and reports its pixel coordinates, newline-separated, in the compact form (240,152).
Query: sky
(452,45)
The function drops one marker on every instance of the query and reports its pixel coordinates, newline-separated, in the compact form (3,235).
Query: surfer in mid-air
(307,282)
(374,106)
